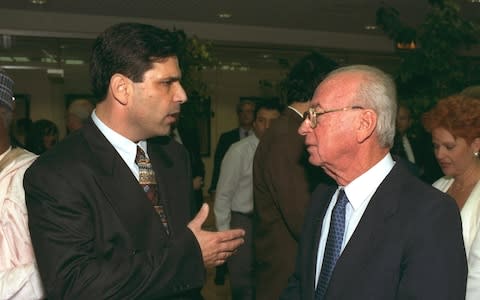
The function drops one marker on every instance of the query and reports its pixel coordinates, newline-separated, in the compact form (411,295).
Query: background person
(284,180)
(234,199)
(78,113)
(455,127)
(42,136)
(245,110)
(19,277)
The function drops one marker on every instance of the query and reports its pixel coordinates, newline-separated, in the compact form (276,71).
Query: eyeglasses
(312,114)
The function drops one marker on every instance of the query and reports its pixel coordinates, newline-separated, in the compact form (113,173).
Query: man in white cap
(19,278)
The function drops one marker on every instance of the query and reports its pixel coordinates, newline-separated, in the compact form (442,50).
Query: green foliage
(437,68)
(195,55)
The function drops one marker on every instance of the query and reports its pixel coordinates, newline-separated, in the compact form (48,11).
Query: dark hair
(305,75)
(270,104)
(39,129)
(243,102)
(128,49)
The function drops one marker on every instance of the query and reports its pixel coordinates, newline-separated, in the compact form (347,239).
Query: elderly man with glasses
(380,233)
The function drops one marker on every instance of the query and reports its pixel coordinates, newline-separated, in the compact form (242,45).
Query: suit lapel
(369,234)
(122,191)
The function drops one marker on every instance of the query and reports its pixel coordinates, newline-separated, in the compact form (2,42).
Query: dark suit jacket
(425,162)
(283,180)
(191,141)
(408,245)
(95,233)
(224,142)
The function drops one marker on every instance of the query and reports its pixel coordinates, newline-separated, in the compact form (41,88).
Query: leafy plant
(195,55)
(437,68)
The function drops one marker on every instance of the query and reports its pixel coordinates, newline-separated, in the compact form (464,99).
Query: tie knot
(140,157)
(342,198)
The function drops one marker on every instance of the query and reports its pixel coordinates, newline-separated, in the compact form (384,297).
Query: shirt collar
(125,147)
(2,155)
(364,186)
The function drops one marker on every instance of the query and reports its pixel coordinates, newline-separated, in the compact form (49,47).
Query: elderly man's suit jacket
(94,231)
(408,245)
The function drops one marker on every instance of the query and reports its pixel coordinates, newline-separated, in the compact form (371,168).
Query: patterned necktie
(334,244)
(148,182)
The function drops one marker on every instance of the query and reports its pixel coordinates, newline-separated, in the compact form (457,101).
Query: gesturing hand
(216,246)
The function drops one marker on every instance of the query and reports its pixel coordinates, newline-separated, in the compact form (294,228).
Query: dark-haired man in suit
(110,208)
(283,180)
(245,111)
(380,233)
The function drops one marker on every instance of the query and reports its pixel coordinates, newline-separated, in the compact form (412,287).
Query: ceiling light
(21,59)
(370,27)
(224,15)
(38,2)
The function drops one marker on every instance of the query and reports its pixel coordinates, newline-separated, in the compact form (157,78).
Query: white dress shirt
(408,149)
(359,192)
(125,147)
(235,184)
(470,214)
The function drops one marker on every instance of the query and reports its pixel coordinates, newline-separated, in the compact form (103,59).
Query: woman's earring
(476,153)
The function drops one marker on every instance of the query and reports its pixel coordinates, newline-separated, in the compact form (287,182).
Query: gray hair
(82,108)
(376,91)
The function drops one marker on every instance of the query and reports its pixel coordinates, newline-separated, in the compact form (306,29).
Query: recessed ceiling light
(38,2)
(224,15)
(370,27)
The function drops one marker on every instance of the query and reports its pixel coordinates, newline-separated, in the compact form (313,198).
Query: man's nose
(304,128)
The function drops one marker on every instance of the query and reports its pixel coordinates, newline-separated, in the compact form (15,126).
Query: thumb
(200,218)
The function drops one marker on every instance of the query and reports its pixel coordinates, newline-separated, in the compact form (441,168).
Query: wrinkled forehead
(338,90)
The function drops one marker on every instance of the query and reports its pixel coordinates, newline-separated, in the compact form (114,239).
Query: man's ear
(120,88)
(367,124)
(476,144)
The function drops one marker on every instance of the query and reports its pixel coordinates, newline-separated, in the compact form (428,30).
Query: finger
(232,234)
(200,218)
(230,246)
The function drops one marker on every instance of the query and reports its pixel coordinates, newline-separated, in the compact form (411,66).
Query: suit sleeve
(222,147)
(75,265)
(434,264)
(290,186)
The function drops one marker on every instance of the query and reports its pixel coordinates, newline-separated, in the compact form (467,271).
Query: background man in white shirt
(234,198)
